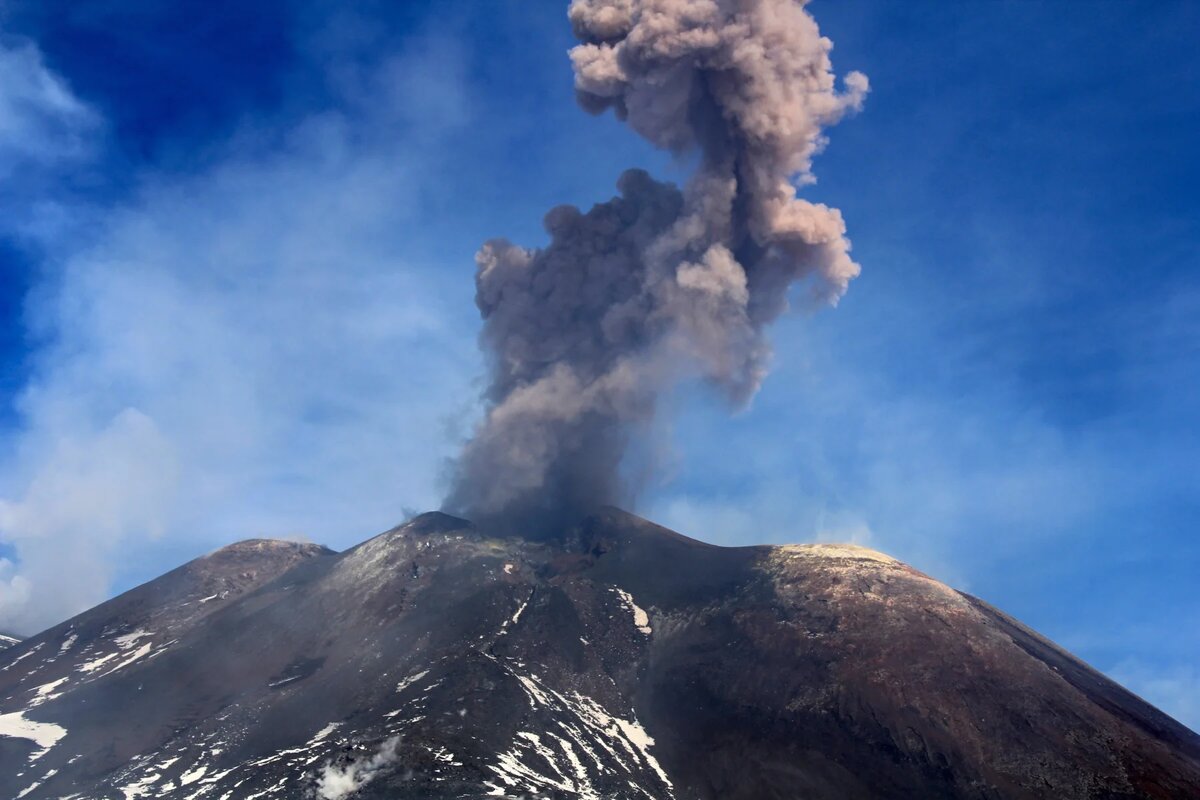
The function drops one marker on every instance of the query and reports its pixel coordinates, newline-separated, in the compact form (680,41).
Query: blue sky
(236,267)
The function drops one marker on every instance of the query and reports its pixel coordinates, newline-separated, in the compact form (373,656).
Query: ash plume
(662,283)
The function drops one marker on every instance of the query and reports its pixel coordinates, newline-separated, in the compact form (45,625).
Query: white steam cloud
(661,283)
(338,782)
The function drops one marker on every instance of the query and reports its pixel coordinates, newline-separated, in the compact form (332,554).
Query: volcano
(617,660)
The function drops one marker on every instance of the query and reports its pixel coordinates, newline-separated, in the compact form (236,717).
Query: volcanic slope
(620,660)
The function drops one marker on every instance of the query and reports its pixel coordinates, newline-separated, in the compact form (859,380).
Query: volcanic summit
(617,660)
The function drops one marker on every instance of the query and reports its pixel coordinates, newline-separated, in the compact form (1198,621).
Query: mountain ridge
(620,659)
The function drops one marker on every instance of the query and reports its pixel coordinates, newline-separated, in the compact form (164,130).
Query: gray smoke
(659,284)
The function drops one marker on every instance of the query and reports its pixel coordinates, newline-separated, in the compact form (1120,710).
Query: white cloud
(244,352)
(90,492)
(41,120)
(768,514)
(846,531)
(14,588)
(709,519)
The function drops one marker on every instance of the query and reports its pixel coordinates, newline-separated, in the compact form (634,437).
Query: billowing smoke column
(659,284)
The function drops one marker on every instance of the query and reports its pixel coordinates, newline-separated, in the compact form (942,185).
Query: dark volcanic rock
(7,640)
(620,661)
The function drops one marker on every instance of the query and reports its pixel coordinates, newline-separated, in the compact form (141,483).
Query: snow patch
(641,620)
(130,639)
(46,692)
(410,680)
(520,611)
(515,617)
(193,775)
(97,663)
(37,783)
(320,735)
(533,764)
(136,655)
(126,653)
(284,681)
(44,734)
(23,656)
(133,791)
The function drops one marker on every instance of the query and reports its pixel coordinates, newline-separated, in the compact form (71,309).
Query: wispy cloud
(250,350)
(41,119)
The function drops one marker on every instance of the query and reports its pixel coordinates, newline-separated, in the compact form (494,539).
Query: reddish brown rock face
(620,660)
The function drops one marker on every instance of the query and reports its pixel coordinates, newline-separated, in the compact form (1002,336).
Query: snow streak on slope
(641,620)
(576,742)
(61,662)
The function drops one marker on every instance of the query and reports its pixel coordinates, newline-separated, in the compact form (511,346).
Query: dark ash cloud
(662,283)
